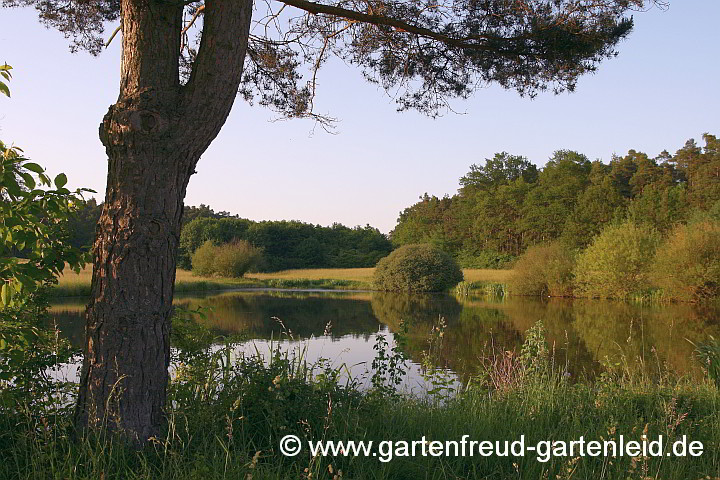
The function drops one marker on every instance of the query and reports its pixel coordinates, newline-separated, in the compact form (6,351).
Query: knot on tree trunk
(144,116)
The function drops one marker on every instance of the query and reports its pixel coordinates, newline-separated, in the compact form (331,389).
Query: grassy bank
(226,420)
(71,284)
(234,432)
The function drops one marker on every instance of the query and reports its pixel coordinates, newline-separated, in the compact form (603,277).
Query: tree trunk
(153,136)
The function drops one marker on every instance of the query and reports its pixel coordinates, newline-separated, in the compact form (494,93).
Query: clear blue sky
(661,90)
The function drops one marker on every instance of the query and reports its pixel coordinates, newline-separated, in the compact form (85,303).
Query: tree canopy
(427,51)
(506,206)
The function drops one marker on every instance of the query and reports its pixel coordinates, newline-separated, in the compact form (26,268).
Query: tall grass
(709,355)
(216,441)
(71,284)
(486,275)
(485,289)
(226,418)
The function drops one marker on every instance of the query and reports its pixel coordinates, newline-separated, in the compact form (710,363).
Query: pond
(344,326)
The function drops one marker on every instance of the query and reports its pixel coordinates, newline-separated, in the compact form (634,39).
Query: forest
(508,204)
(502,208)
(284,244)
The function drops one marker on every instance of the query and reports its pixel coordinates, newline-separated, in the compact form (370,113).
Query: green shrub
(232,259)
(534,353)
(687,263)
(544,270)
(199,230)
(617,262)
(34,249)
(202,259)
(417,268)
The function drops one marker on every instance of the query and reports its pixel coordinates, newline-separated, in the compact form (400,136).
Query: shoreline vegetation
(492,283)
(638,228)
(71,284)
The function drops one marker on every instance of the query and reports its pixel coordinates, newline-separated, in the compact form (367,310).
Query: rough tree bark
(153,137)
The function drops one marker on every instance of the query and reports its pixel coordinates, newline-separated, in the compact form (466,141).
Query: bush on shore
(545,270)
(232,259)
(617,262)
(417,268)
(687,264)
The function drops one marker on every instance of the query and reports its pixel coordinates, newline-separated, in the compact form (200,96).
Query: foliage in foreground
(417,268)
(34,212)
(33,224)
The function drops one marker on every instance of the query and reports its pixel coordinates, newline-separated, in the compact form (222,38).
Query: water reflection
(302,314)
(582,333)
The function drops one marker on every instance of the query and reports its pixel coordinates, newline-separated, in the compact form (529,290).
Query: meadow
(78,284)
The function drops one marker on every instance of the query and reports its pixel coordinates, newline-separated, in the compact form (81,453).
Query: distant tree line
(508,205)
(284,244)
(290,244)
(501,209)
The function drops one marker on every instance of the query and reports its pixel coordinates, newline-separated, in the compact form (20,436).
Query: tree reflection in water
(581,333)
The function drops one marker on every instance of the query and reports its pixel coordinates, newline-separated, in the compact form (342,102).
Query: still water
(343,327)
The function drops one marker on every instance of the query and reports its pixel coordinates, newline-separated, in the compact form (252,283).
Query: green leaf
(6,294)
(25,281)
(12,221)
(29,180)
(9,181)
(13,189)
(34,167)
(4,89)
(60,180)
